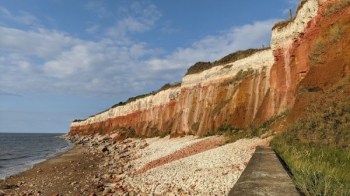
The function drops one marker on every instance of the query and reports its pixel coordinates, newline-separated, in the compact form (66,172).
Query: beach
(70,173)
(160,166)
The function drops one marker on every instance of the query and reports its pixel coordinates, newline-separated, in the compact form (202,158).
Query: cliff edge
(244,88)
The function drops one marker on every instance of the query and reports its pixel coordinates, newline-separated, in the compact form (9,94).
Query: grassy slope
(316,147)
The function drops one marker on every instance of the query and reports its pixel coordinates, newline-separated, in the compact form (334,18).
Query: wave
(14,158)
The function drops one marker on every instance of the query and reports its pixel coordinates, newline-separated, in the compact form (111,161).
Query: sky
(62,60)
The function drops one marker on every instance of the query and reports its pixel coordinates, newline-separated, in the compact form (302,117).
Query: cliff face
(247,91)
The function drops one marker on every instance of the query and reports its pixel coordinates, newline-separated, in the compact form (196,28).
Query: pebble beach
(153,166)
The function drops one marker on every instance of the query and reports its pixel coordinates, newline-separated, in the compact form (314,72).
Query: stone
(8,186)
(132,193)
(111,185)
(106,191)
(103,149)
(144,146)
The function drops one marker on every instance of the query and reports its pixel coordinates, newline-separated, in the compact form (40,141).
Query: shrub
(335,7)
(336,32)
(162,134)
(195,127)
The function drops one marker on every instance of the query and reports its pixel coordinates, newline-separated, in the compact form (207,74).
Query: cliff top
(235,56)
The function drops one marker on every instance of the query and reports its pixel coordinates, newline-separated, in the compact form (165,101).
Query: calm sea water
(20,151)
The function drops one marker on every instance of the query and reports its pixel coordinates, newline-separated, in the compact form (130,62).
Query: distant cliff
(243,88)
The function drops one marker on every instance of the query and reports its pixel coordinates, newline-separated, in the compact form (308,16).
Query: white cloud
(51,60)
(215,46)
(139,17)
(98,8)
(22,17)
(42,42)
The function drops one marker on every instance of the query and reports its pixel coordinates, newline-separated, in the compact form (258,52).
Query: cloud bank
(49,60)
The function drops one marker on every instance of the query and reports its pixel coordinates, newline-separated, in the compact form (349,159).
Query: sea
(20,151)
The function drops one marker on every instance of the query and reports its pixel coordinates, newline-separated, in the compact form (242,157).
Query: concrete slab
(264,175)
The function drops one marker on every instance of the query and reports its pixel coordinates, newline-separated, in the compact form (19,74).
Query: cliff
(244,88)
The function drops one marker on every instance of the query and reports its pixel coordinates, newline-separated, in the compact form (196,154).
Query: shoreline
(58,175)
(102,166)
(22,162)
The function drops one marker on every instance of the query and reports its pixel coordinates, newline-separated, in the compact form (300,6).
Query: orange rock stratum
(309,52)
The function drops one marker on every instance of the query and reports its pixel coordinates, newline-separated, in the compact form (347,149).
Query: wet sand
(72,173)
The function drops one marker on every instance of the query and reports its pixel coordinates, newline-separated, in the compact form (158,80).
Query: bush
(335,7)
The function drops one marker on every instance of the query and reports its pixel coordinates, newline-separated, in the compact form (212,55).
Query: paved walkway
(264,175)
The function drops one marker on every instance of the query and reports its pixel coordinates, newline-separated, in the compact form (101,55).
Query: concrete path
(264,175)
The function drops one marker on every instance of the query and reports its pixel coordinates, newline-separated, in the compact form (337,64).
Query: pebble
(106,191)
(198,174)
(9,186)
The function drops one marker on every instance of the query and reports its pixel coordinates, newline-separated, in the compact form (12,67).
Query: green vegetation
(335,7)
(238,77)
(241,54)
(131,99)
(195,127)
(169,86)
(335,33)
(233,134)
(162,134)
(281,24)
(319,48)
(317,147)
(300,5)
(219,106)
(164,87)
(317,169)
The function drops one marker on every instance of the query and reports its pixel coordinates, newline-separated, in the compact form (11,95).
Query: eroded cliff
(235,93)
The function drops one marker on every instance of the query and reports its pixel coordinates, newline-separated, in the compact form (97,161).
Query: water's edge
(16,165)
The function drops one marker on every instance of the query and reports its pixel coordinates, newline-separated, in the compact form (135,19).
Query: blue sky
(62,60)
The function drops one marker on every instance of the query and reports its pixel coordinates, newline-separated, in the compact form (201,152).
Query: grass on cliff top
(284,23)
(316,148)
(131,99)
(202,66)
(164,87)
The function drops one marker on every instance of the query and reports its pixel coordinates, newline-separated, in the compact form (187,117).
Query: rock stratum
(238,92)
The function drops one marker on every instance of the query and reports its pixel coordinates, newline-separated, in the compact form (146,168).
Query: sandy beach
(154,166)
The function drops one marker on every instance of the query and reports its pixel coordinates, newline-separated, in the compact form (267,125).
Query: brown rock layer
(313,59)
